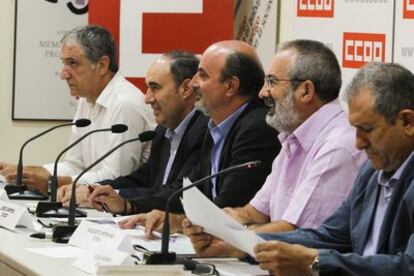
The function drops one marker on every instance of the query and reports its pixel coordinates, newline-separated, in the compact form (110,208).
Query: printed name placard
(12,215)
(89,234)
(95,257)
(3,195)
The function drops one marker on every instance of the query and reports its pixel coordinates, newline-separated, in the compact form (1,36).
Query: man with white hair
(90,69)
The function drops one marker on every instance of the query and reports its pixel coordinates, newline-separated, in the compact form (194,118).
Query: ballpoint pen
(103,205)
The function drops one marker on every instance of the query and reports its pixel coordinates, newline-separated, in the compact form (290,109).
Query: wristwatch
(314,267)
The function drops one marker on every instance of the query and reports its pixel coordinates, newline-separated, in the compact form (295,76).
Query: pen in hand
(103,205)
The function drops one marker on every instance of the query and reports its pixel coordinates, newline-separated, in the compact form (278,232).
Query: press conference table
(16,260)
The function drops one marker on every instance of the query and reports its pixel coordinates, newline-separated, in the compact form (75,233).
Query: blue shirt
(219,134)
(175,135)
(387,185)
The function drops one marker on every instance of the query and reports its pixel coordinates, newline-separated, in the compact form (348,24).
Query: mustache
(269,102)
(196,91)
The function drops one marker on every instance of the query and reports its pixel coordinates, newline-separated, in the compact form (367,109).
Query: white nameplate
(12,215)
(3,195)
(99,256)
(89,234)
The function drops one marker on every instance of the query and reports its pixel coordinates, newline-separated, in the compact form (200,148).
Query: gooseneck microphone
(62,232)
(53,208)
(19,191)
(166,257)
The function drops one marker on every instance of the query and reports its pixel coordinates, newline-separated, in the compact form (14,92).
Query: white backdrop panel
(39,93)
(358,31)
(404,35)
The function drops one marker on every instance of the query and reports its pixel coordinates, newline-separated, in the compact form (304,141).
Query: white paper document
(201,211)
(179,244)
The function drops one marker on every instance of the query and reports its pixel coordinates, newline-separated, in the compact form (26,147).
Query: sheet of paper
(59,252)
(179,244)
(201,211)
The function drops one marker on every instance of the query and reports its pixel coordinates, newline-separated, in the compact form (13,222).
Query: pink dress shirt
(313,172)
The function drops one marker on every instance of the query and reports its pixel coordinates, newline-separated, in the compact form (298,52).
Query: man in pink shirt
(317,165)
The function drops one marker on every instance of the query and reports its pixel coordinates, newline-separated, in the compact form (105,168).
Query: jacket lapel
(368,211)
(397,195)
(180,154)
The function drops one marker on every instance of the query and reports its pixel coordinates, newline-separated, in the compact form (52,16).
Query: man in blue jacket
(372,233)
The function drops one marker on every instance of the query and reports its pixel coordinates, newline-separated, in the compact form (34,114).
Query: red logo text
(315,8)
(360,48)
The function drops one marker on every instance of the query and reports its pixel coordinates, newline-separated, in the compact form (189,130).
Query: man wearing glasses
(317,165)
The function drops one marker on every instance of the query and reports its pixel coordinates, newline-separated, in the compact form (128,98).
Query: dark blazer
(343,236)
(250,138)
(144,186)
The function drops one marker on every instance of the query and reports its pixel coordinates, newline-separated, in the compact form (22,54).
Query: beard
(201,106)
(283,115)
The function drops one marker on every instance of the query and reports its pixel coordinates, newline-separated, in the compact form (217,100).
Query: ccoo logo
(408,9)
(315,8)
(360,48)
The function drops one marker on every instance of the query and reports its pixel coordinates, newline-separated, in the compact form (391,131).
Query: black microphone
(54,208)
(166,257)
(19,191)
(62,232)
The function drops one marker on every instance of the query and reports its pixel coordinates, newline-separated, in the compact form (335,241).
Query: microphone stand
(166,257)
(63,232)
(20,191)
(53,208)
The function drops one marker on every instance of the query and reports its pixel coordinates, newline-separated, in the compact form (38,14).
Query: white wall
(14,133)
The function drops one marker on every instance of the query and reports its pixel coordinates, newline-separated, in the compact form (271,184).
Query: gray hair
(317,63)
(391,84)
(184,65)
(96,42)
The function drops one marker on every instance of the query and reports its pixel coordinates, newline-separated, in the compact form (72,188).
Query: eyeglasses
(272,82)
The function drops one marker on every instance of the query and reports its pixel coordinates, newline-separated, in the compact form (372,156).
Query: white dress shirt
(119,103)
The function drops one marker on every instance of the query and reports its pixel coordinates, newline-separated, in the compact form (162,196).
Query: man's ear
(185,89)
(103,65)
(406,118)
(232,86)
(307,91)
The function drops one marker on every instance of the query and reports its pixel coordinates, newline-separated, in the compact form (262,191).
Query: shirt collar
(180,129)
(224,127)
(105,98)
(386,180)
(308,131)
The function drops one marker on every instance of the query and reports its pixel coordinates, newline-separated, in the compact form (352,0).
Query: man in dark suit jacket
(227,84)
(372,233)
(172,100)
